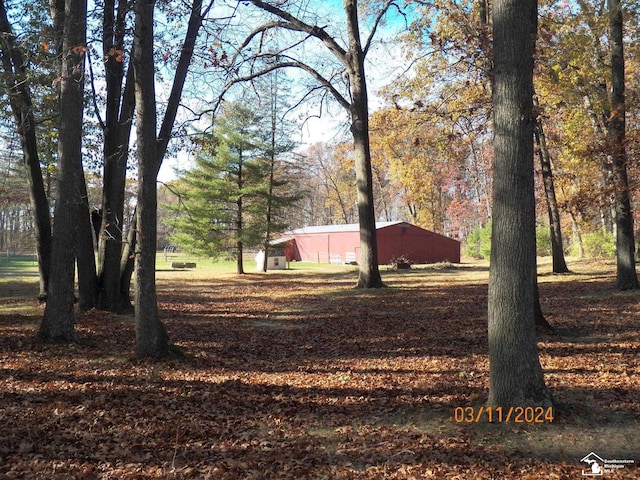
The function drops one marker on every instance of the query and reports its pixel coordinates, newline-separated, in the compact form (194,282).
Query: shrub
(598,245)
(478,242)
(543,241)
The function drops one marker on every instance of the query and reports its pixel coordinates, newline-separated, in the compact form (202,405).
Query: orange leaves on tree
(80,49)
(115,54)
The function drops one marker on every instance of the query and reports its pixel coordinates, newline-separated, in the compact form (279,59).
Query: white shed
(277,260)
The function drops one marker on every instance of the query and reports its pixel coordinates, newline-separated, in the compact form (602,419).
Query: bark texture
(369,273)
(516,377)
(627,277)
(84,248)
(117,127)
(58,320)
(127,264)
(152,339)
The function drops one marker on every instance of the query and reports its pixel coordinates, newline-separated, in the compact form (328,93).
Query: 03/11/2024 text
(503,414)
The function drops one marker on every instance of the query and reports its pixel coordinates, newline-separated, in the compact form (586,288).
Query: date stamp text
(503,414)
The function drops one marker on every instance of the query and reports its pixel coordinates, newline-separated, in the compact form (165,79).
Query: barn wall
(325,247)
(400,239)
(290,249)
(415,244)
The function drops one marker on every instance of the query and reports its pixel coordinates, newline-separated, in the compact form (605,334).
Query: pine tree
(228,201)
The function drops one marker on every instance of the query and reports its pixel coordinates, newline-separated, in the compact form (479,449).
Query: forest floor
(297,375)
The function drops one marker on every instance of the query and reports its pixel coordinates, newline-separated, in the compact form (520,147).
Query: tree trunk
(17,87)
(577,234)
(557,247)
(58,322)
(127,264)
(84,250)
(240,216)
(369,273)
(627,277)
(110,243)
(270,192)
(152,339)
(120,104)
(239,258)
(516,377)
(539,318)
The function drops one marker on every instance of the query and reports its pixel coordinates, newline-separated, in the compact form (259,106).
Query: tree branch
(286,64)
(94,95)
(298,25)
(195,22)
(376,23)
(260,30)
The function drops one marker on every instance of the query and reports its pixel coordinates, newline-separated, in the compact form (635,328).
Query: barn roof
(349,227)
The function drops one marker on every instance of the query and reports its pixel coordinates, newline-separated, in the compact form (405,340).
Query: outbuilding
(276,261)
(341,244)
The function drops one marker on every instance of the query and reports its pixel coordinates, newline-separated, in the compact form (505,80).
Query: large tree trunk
(627,277)
(516,377)
(152,339)
(110,242)
(120,104)
(58,321)
(557,247)
(369,273)
(17,86)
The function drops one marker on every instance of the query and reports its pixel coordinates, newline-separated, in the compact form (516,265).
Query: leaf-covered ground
(299,376)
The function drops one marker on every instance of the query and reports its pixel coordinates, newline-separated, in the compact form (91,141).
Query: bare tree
(151,336)
(351,57)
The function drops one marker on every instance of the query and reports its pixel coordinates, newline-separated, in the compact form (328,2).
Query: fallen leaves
(312,379)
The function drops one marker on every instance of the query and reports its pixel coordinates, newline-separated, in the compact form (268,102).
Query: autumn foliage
(297,375)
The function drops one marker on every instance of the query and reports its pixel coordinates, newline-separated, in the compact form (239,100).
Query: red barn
(341,244)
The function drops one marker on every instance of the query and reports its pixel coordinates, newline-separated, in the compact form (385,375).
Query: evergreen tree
(277,192)
(229,200)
